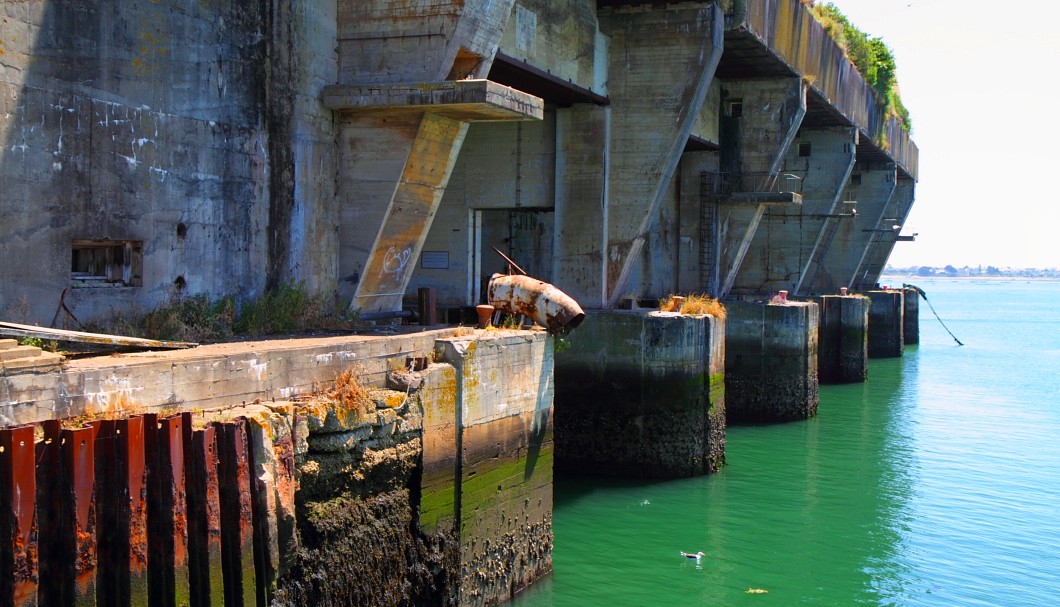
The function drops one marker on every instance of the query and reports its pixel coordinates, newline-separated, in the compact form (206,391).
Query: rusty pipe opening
(535,299)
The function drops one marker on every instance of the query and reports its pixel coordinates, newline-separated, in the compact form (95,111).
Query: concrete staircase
(26,359)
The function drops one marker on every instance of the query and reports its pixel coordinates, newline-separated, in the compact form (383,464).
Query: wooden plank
(10,328)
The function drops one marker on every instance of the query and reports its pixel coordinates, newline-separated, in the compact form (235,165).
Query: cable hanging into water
(924,295)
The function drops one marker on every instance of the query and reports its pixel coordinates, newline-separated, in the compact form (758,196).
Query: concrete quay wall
(642,394)
(435,490)
(771,370)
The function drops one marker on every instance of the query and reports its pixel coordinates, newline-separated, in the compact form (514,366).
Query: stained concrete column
(583,137)
(771,361)
(760,119)
(642,395)
(886,326)
(843,344)
(911,317)
(661,62)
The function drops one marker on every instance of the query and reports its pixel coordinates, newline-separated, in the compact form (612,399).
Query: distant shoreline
(906,277)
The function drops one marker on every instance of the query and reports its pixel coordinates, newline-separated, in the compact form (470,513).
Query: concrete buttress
(754,142)
(786,251)
(871,187)
(661,63)
(885,235)
(399,141)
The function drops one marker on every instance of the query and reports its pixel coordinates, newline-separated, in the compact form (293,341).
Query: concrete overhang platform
(780,199)
(465,100)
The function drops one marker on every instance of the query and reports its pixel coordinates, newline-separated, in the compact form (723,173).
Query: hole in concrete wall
(182,230)
(734,109)
(106,263)
(804,149)
(180,284)
(855,179)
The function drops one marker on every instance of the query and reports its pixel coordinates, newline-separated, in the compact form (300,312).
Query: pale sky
(980,82)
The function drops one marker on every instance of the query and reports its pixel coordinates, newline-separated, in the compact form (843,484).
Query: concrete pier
(642,394)
(911,317)
(843,343)
(436,491)
(771,361)
(886,330)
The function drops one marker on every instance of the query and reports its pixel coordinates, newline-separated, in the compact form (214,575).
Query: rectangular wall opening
(106,263)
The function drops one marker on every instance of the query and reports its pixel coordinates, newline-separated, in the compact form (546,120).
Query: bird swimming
(693,555)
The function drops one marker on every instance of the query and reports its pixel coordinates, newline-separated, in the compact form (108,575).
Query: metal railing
(718,185)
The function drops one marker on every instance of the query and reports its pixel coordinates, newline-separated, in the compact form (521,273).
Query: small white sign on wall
(434,260)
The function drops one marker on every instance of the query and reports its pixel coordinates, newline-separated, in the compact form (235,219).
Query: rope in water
(924,295)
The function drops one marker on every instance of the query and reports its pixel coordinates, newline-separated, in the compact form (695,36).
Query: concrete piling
(642,394)
(886,324)
(911,317)
(843,339)
(771,361)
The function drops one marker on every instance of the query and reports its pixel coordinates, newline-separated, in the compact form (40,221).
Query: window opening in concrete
(106,263)
(735,108)
(804,149)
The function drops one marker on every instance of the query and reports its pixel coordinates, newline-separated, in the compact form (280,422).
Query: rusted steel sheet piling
(18,501)
(204,518)
(167,512)
(80,512)
(237,529)
(535,299)
(49,515)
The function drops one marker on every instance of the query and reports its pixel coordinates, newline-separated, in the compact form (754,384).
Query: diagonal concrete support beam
(413,200)
(399,142)
(402,142)
(830,218)
(852,243)
(662,60)
(756,142)
(896,213)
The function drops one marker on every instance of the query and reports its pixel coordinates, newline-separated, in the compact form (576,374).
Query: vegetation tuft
(693,304)
(350,392)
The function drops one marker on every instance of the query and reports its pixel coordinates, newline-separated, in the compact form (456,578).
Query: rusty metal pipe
(530,297)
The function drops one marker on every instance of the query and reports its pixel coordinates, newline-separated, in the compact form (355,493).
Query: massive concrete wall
(165,126)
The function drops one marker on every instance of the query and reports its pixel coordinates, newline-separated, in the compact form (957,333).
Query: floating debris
(756,591)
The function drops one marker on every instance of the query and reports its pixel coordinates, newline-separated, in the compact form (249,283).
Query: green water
(937,482)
